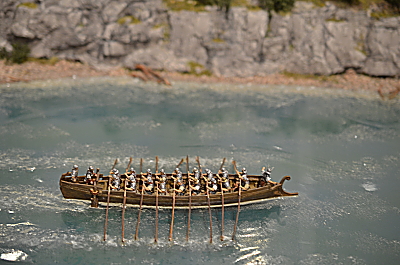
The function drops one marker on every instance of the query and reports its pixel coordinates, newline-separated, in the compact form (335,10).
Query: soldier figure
(148,182)
(209,174)
(178,174)
(266,176)
(89,175)
(162,182)
(226,187)
(74,173)
(245,180)
(195,182)
(212,186)
(116,179)
(179,182)
(131,184)
(211,183)
(196,173)
(180,190)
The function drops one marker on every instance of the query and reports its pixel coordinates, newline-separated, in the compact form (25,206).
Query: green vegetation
(28,5)
(157,26)
(128,19)
(52,61)
(334,20)
(395,4)
(386,8)
(198,69)
(218,40)
(166,30)
(177,5)
(3,53)
(385,14)
(309,76)
(277,5)
(18,55)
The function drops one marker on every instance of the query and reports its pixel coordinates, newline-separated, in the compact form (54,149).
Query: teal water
(341,148)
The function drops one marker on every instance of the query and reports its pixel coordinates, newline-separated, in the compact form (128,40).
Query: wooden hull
(71,190)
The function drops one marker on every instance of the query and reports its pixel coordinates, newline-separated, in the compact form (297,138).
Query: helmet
(162,170)
(195,169)
(91,168)
(75,167)
(115,170)
(149,170)
(207,170)
(244,170)
(133,170)
(177,169)
(223,169)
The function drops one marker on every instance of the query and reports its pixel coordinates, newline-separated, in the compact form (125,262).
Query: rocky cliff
(108,33)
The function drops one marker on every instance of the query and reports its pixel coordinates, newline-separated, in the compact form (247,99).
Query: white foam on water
(16,255)
(369,186)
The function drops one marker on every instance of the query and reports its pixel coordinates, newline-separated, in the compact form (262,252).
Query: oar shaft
(222,213)
(239,198)
(108,204)
(129,164)
(140,205)
(209,213)
(190,198)
(156,232)
(222,202)
(171,227)
(123,213)
(139,213)
(156,190)
(237,215)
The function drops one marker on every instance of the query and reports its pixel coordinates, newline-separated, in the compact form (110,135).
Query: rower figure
(74,173)
(116,179)
(89,177)
(162,182)
(266,176)
(148,182)
(226,187)
(178,174)
(131,183)
(195,182)
(245,180)
(179,185)
(211,182)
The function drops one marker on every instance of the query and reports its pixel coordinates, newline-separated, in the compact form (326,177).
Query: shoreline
(350,80)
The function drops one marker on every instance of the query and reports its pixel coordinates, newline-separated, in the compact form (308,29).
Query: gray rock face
(107,33)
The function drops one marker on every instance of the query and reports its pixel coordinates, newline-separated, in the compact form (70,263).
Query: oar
(141,202)
(190,198)
(222,203)
(239,195)
(123,212)
(179,164)
(129,164)
(156,232)
(108,201)
(124,202)
(171,227)
(208,201)
(209,212)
